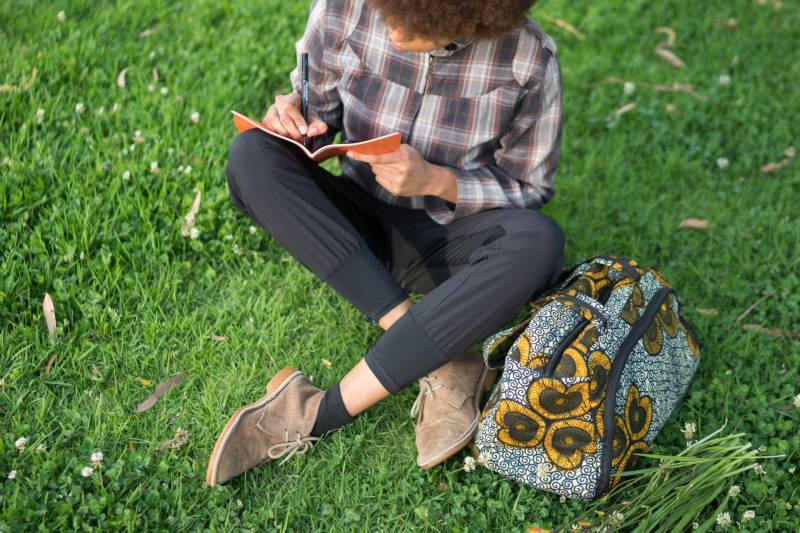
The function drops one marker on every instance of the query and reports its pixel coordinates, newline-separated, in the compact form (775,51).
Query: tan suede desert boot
(277,425)
(448,407)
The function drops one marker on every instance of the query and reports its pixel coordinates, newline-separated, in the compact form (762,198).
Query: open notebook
(378,145)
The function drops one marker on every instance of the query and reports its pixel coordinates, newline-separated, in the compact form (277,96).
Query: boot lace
(290,447)
(425,389)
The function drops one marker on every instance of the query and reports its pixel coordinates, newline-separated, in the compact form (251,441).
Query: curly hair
(449,19)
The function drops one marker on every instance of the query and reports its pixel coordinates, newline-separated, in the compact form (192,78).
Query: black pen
(304,91)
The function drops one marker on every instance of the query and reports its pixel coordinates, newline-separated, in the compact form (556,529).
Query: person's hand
(403,172)
(286,118)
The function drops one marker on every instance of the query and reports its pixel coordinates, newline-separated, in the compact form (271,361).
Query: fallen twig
(750,309)
(776,332)
(160,391)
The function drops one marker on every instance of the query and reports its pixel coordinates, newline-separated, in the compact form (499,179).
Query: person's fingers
(317,127)
(376,159)
(296,115)
(282,103)
(273,122)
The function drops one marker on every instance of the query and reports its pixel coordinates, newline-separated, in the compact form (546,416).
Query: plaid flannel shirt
(490,110)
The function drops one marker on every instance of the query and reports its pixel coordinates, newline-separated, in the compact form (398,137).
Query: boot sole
(489,376)
(274,386)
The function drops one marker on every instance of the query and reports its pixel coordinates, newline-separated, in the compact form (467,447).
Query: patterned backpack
(603,360)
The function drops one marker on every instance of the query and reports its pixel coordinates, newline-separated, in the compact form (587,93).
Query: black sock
(332,413)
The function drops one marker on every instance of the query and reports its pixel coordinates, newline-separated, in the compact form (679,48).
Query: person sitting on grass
(474,88)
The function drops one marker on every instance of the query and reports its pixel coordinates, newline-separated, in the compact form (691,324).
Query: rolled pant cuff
(366,284)
(403,354)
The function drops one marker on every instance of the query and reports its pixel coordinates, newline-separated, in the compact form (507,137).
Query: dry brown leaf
(218,338)
(11,88)
(49,364)
(694,223)
(750,309)
(622,110)
(772,167)
(707,311)
(730,24)
(777,332)
(121,78)
(175,443)
(670,33)
(670,57)
(160,391)
(687,88)
(564,25)
(49,311)
(190,219)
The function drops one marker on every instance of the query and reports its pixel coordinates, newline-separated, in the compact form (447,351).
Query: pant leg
(491,277)
(321,219)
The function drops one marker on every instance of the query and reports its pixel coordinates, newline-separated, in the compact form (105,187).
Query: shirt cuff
(469,198)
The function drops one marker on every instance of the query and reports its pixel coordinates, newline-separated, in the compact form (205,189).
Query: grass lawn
(83,217)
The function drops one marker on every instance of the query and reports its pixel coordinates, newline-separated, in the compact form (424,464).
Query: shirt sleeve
(321,41)
(525,163)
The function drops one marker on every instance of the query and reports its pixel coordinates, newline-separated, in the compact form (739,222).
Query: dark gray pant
(475,274)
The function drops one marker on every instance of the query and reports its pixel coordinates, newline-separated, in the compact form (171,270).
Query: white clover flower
(252,230)
(79,107)
(164,90)
(97,457)
(723,162)
(154,167)
(733,491)
(695,525)
(152,54)
(87,471)
(617,517)
(228,237)
(187,169)
(126,175)
(116,107)
(138,138)
(41,447)
(482,460)
(195,117)
(758,469)
(11,475)
(791,469)
(100,110)
(469,464)
(797,401)
(688,430)
(762,448)
(81,256)
(180,169)
(39,115)
(61,16)
(562,499)
(21,442)
(132,147)
(151,87)
(724,79)
(748,515)
(237,250)
(194,233)
(629,87)
(724,519)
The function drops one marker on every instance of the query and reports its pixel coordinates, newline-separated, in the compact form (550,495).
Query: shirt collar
(451,48)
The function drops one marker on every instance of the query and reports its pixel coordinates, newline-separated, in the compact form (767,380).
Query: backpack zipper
(620,359)
(428,72)
(563,345)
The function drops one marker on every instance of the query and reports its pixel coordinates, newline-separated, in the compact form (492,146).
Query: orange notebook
(378,145)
